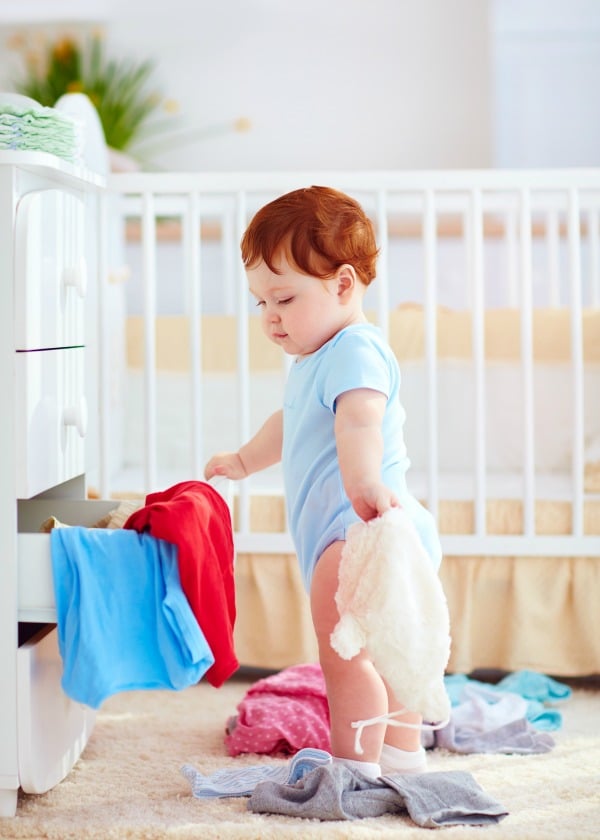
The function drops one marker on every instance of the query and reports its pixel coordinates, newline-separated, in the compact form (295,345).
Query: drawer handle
(77,415)
(76,276)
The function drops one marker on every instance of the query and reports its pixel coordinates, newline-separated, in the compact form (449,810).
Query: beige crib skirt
(506,613)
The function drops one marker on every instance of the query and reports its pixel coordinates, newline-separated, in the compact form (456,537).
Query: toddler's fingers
(211,470)
(385,503)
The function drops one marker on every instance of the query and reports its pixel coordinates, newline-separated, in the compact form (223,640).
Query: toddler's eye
(260,303)
(286,300)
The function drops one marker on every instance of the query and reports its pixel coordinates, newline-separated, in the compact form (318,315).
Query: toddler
(309,257)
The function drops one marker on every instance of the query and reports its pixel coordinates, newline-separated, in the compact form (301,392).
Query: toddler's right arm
(261,451)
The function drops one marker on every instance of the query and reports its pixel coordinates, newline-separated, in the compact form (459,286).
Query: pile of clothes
(288,711)
(287,714)
(149,603)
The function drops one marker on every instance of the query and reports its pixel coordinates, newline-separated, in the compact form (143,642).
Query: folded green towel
(42,130)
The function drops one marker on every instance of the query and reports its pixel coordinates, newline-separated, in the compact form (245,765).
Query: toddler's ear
(346,279)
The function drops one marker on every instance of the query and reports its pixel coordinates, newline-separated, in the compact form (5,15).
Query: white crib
(489,291)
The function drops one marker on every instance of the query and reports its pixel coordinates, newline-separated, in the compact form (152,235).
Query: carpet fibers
(128,785)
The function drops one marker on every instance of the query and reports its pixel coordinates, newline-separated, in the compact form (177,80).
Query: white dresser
(46,210)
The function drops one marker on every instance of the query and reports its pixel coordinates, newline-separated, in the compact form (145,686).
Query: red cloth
(196,518)
(282,714)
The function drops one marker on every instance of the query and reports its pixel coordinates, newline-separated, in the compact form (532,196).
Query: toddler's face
(299,313)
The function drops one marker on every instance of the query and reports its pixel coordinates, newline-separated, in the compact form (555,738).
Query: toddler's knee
(334,666)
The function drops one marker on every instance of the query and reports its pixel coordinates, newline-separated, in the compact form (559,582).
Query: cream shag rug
(127,783)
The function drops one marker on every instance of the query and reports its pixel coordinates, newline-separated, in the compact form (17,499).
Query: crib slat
(527,365)
(552,252)
(149,281)
(243,366)
(230,252)
(193,286)
(574,240)
(430,248)
(511,258)
(594,245)
(383,291)
(475,253)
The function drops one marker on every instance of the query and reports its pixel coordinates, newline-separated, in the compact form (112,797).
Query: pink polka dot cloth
(282,714)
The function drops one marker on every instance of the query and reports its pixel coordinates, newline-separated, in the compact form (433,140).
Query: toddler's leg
(402,737)
(355,691)
(402,751)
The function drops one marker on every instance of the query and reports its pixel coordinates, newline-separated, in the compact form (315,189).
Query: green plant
(121,89)
(136,118)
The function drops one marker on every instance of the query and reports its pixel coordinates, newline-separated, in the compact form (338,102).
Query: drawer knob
(76,276)
(77,415)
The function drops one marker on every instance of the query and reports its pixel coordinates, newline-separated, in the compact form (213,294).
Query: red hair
(317,229)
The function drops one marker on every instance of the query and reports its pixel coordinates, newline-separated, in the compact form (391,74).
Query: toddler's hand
(227,464)
(373,500)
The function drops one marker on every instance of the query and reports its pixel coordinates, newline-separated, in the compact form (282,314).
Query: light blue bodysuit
(319,511)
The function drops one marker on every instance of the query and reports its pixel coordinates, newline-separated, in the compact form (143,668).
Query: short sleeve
(356,359)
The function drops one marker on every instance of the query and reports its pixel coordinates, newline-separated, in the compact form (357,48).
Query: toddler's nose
(273,316)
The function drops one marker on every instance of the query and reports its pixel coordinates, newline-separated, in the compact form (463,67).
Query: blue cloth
(537,689)
(123,621)
(319,511)
(534,686)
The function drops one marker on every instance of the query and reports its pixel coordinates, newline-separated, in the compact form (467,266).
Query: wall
(358,83)
(546,77)
(326,83)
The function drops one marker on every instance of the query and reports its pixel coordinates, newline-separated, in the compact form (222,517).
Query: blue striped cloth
(242,781)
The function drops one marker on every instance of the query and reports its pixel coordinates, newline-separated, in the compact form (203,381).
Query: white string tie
(359,725)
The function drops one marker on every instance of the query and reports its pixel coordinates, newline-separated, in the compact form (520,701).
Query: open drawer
(35,585)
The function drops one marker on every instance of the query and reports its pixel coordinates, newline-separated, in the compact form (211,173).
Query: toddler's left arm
(359,441)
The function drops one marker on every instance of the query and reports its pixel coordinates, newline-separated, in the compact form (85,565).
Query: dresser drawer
(51,418)
(50,270)
(52,728)
(35,590)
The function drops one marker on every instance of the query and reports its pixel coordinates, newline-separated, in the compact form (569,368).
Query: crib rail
(475,241)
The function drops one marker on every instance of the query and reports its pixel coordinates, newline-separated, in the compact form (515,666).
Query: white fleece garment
(391,603)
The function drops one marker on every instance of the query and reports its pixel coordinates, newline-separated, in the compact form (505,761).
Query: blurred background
(335,84)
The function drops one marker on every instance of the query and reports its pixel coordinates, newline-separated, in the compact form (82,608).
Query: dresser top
(43,163)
